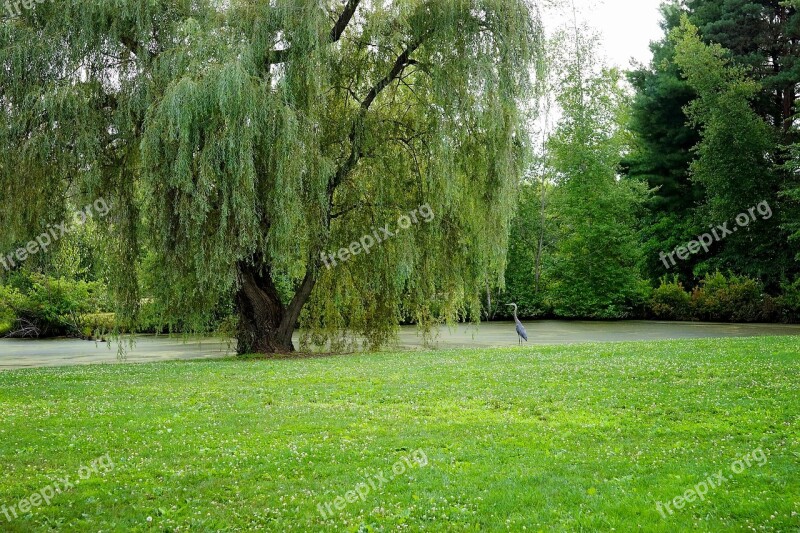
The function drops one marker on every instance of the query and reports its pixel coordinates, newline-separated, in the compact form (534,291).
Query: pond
(58,352)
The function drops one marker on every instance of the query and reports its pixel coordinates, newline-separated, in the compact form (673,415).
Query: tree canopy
(240,141)
(712,128)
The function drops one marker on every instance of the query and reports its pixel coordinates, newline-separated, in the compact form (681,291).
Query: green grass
(585,437)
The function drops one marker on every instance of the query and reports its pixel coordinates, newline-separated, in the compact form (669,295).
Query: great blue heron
(520,328)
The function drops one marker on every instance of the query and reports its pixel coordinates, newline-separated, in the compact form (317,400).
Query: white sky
(626,26)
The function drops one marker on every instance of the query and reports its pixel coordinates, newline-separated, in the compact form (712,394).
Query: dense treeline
(712,133)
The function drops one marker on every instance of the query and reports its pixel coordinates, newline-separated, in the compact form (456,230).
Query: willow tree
(241,141)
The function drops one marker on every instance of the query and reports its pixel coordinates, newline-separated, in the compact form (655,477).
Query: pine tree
(661,154)
(765,36)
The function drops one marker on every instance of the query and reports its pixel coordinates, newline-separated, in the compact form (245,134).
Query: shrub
(788,303)
(38,306)
(670,301)
(719,299)
(732,299)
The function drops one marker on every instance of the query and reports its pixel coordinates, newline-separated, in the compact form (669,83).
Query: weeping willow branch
(281,56)
(314,264)
(400,64)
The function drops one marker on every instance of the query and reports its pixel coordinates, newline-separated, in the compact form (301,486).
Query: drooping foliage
(241,141)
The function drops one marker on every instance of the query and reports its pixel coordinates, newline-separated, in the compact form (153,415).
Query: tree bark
(266,325)
(261,314)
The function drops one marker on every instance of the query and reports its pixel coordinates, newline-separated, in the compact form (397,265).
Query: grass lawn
(585,437)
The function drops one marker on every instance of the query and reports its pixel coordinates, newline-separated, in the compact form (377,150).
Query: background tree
(661,153)
(593,269)
(241,141)
(761,37)
(529,246)
(765,36)
(732,159)
(664,139)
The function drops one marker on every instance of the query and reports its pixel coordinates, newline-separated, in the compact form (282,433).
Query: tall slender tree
(593,270)
(733,157)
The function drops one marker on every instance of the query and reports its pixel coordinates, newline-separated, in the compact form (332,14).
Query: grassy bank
(573,437)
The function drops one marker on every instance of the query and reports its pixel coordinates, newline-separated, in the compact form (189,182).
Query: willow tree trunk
(266,325)
(261,313)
